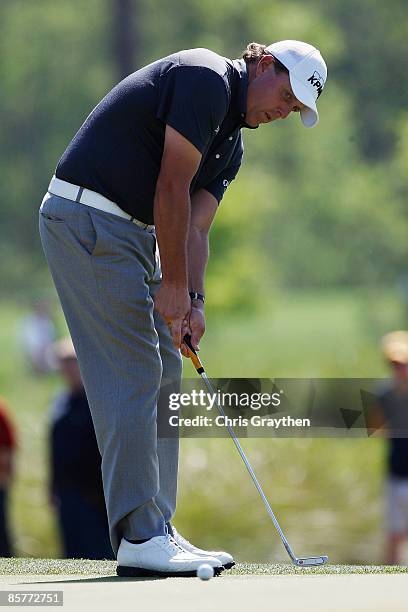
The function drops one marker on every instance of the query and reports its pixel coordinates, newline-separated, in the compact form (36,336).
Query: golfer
(124,226)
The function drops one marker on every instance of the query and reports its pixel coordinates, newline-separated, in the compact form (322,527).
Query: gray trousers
(106,271)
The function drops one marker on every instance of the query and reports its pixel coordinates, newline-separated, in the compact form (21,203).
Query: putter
(300,561)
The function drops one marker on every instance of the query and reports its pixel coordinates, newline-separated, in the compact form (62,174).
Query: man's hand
(196,327)
(174,305)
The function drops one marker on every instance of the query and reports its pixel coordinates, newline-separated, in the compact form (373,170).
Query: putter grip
(193,355)
(187,341)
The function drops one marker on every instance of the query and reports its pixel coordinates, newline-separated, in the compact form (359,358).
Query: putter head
(307,561)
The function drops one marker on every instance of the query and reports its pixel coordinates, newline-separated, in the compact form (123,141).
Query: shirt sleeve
(219,185)
(194,101)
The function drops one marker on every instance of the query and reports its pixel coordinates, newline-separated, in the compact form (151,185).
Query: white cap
(307,74)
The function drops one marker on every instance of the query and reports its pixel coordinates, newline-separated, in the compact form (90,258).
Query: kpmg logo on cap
(317,81)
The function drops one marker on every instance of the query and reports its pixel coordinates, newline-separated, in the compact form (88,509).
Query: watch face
(196,296)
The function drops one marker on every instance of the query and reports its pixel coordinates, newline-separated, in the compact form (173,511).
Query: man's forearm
(172,220)
(198,251)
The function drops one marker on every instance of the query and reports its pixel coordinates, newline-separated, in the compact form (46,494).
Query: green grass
(53,567)
(327,493)
(275,569)
(304,334)
(84,567)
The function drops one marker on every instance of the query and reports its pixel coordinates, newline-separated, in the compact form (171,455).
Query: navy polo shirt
(117,152)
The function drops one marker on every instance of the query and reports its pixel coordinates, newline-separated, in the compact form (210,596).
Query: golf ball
(205,572)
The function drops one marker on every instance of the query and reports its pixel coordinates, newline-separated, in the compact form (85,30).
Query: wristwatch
(196,296)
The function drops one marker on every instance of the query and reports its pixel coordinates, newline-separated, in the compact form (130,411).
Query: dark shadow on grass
(101,579)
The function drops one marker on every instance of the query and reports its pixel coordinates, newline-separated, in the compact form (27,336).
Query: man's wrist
(197,305)
(178,284)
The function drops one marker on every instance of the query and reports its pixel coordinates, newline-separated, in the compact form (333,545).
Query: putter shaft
(201,371)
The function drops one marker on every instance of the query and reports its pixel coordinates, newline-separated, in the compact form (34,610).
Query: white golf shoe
(161,556)
(225,558)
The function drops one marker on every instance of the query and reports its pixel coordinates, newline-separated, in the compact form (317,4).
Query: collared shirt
(75,457)
(117,152)
(394,405)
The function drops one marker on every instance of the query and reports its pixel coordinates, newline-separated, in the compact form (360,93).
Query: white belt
(91,198)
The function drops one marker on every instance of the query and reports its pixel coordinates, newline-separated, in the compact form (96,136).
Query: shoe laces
(171,543)
(180,538)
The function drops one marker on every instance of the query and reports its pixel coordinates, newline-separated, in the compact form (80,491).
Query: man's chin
(249,120)
(251,124)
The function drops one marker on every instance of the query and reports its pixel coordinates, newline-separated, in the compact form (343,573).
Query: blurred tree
(125,37)
(312,201)
(53,69)
(370,68)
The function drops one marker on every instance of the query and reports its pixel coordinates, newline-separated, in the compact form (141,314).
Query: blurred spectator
(392,416)
(7,449)
(76,480)
(37,334)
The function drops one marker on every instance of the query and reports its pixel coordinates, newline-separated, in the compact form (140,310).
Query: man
(36,335)
(76,489)
(8,447)
(391,414)
(154,159)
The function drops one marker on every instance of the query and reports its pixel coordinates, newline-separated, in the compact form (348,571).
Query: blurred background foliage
(323,207)
(308,252)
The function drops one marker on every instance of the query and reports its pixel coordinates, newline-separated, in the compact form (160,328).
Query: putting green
(93,585)
(85,567)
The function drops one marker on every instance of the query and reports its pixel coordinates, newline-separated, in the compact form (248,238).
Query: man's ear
(265,62)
